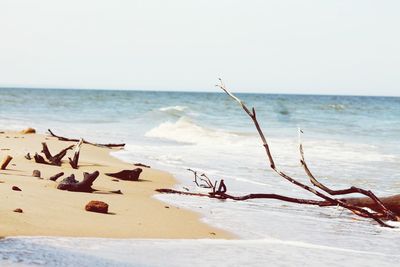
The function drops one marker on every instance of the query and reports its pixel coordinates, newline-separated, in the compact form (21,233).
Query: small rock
(16,188)
(167,207)
(28,131)
(18,210)
(97,206)
(36,173)
(28,156)
(115,180)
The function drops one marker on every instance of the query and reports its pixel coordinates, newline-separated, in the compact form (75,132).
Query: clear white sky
(282,46)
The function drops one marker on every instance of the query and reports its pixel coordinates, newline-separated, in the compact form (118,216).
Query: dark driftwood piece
(61,138)
(378,205)
(70,184)
(52,160)
(141,165)
(5,162)
(39,159)
(381,206)
(74,162)
(391,203)
(56,176)
(127,175)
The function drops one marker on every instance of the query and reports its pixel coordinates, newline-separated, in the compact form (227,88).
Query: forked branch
(379,207)
(389,211)
(331,200)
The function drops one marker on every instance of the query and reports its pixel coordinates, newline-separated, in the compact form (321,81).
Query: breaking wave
(175,108)
(175,111)
(185,130)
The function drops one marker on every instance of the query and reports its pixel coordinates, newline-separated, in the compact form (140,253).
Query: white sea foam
(185,130)
(38,251)
(175,108)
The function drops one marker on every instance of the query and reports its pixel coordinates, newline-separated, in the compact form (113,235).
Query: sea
(348,141)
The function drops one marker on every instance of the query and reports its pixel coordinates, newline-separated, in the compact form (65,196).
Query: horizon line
(186,91)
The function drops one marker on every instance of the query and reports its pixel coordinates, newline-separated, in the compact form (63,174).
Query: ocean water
(348,140)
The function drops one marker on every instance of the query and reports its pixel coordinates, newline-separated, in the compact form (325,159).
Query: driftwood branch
(244,197)
(56,176)
(378,204)
(61,138)
(127,175)
(74,161)
(52,160)
(355,209)
(70,184)
(56,159)
(383,210)
(5,162)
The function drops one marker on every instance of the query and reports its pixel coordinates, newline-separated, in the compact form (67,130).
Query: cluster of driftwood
(70,183)
(379,209)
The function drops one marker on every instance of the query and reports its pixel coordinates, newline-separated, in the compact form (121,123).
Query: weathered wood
(39,159)
(70,184)
(128,175)
(61,138)
(7,159)
(385,208)
(392,203)
(56,159)
(74,162)
(56,176)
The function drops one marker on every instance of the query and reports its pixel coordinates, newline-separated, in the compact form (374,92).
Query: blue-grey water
(348,140)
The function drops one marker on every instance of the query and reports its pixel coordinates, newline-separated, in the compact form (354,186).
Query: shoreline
(48,211)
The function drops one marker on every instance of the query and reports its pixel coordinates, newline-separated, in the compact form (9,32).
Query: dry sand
(48,211)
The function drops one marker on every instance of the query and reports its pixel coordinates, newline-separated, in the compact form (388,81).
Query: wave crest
(185,130)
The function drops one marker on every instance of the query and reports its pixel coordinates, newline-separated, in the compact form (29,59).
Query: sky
(283,46)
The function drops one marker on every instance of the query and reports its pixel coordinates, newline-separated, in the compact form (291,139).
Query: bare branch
(334,201)
(61,138)
(379,205)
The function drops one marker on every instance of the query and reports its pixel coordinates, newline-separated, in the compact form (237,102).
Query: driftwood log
(383,209)
(127,175)
(56,176)
(5,162)
(51,160)
(61,138)
(70,184)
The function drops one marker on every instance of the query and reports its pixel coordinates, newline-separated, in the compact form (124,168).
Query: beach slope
(48,211)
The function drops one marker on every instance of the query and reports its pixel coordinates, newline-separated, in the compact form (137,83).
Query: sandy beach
(48,211)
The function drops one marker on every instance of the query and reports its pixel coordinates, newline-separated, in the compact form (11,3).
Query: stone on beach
(97,206)
(28,131)
(36,173)
(16,188)
(18,210)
